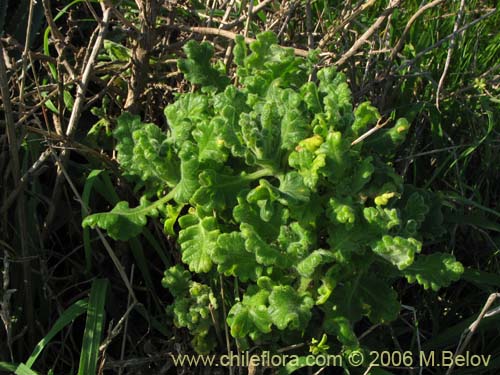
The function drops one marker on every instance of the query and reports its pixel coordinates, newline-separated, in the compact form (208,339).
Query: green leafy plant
(311,231)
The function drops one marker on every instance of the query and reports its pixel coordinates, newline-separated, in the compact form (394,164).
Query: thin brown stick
(469,332)
(23,180)
(25,57)
(335,28)
(125,325)
(242,19)
(76,113)
(228,35)
(365,135)
(107,246)
(450,52)
(5,315)
(224,311)
(249,18)
(58,37)
(141,54)
(368,33)
(21,207)
(409,24)
(82,87)
(310,38)
(226,13)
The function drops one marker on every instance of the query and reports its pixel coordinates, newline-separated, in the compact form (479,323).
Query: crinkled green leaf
(346,240)
(341,211)
(262,135)
(289,309)
(397,250)
(294,125)
(188,183)
(367,295)
(198,240)
(228,107)
(364,115)
(434,271)
(266,197)
(197,67)
(308,265)
(240,50)
(432,225)
(308,165)
(171,214)
(250,213)
(192,310)
(209,141)
(381,219)
(337,159)
(265,253)
(362,174)
(293,188)
(122,222)
(143,151)
(328,280)
(217,190)
(296,240)
(184,114)
(177,280)
(234,259)
(251,316)
(267,62)
(311,97)
(337,101)
(277,122)
(380,302)
(414,212)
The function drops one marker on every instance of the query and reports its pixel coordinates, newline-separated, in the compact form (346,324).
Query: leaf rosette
(268,192)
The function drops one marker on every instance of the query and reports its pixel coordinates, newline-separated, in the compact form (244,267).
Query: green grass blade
(450,336)
(457,198)
(479,221)
(87,189)
(156,246)
(5,366)
(66,318)
(93,328)
(46,35)
(138,253)
(104,186)
(482,278)
(22,369)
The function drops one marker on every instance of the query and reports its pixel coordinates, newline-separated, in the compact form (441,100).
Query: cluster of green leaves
(268,191)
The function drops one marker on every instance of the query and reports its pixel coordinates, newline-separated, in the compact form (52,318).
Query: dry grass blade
(469,332)
(333,30)
(450,52)
(93,328)
(21,207)
(410,22)
(368,33)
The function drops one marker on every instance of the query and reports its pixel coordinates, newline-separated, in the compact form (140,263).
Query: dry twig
(410,22)
(469,332)
(368,33)
(450,52)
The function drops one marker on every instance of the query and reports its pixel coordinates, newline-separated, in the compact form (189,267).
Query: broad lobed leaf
(270,195)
